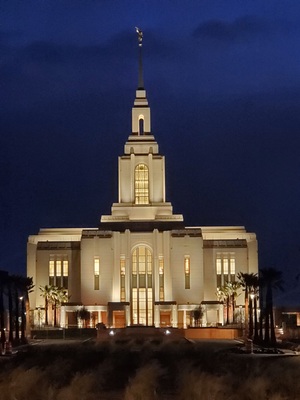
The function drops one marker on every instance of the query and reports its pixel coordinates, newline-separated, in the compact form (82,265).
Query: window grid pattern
(141,286)
(225,268)
(141,184)
(58,271)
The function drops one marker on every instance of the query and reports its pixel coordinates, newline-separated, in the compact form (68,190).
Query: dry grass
(154,371)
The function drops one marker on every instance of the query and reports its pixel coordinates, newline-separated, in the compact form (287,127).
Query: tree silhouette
(271,280)
(84,315)
(247,281)
(46,293)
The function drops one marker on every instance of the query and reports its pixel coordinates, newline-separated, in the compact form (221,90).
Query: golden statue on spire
(140,35)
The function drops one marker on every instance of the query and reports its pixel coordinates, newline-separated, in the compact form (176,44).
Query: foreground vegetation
(145,371)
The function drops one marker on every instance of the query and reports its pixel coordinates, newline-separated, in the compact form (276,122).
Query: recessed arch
(141,124)
(142,291)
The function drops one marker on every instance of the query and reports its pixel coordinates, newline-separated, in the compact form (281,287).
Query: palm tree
(255,294)
(228,293)
(16,281)
(3,285)
(25,286)
(235,286)
(246,281)
(272,280)
(46,294)
(10,308)
(222,295)
(59,295)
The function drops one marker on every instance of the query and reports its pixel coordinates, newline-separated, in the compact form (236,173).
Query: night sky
(223,83)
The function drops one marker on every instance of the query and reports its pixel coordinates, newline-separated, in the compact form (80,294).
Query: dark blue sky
(223,82)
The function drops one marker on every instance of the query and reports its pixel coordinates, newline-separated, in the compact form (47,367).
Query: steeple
(140,40)
(141,123)
(142,191)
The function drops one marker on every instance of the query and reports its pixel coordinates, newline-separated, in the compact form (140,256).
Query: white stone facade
(141,265)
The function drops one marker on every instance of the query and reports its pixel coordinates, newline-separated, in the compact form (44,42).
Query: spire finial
(140,35)
(140,40)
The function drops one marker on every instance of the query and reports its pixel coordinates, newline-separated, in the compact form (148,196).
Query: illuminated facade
(141,265)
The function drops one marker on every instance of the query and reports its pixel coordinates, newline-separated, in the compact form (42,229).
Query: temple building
(141,265)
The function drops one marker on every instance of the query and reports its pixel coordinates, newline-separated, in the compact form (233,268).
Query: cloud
(243,28)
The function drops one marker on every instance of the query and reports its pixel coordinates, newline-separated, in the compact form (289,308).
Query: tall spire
(140,40)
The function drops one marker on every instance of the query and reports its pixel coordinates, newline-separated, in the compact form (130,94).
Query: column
(63,316)
(156,316)
(184,319)
(174,316)
(127,315)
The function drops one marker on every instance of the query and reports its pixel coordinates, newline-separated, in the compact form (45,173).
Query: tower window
(141,125)
(141,184)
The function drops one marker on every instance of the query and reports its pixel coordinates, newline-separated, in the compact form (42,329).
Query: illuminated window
(51,272)
(65,273)
(122,279)
(219,271)
(187,272)
(142,286)
(141,184)
(58,268)
(58,281)
(232,269)
(161,278)
(225,268)
(96,273)
(219,266)
(58,271)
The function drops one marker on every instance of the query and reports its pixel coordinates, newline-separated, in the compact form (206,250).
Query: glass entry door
(141,287)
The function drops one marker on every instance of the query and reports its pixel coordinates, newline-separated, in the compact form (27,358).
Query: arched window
(141,184)
(141,126)
(141,286)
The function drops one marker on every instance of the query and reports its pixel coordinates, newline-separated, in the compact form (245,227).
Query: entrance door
(165,318)
(118,319)
(141,287)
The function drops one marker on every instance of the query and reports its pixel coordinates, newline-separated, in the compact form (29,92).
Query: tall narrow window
(187,272)
(51,273)
(141,184)
(219,271)
(225,269)
(58,273)
(161,278)
(141,125)
(141,286)
(65,273)
(96,273)
(232,269)
(122,279)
